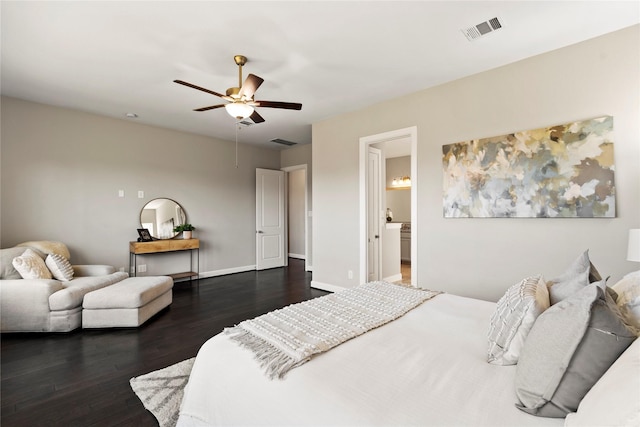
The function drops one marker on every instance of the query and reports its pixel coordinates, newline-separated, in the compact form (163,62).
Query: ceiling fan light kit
(239,110)
(241,102)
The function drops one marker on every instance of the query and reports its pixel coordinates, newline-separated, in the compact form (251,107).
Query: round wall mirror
(160,216)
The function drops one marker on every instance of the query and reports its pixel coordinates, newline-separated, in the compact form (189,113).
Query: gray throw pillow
(579,274)
(7,270)
(571,345)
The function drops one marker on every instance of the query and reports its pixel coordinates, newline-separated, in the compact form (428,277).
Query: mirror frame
(179,217)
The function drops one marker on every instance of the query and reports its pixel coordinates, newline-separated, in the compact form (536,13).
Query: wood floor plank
(82,378)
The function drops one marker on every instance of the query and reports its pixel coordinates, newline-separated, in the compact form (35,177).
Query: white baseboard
(242,269)
(223,272)
(297,256)
(326,286)
(394,278)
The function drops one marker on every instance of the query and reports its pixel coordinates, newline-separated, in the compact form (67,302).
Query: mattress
(426,368)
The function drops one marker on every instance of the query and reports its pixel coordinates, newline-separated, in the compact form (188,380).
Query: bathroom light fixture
(401,182)
(633,250)
(239,110)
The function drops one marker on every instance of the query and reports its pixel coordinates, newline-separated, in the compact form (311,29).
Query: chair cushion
(133,292)
(48,247)
(75,290)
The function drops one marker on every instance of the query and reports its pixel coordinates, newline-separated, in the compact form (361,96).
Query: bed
(426,368)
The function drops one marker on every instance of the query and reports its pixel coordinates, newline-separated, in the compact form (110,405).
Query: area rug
(161,391)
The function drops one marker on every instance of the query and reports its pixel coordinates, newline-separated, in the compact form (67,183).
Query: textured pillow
(513,318)
(31,266)
(579,274)
(60,267)
(615,399)
(628,289)
(48,247)
(571,345)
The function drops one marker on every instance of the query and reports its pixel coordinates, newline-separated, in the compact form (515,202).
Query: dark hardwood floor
(82,378)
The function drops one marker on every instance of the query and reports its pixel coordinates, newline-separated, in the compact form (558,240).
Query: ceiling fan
(241,99)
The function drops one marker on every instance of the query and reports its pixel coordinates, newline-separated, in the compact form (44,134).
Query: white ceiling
(112,57)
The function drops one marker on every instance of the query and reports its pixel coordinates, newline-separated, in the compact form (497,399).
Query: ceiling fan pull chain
(237,129)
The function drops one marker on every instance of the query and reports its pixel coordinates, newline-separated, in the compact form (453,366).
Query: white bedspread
(427,368)
(286,338)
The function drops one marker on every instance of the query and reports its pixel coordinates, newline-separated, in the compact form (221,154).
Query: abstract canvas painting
(563,171)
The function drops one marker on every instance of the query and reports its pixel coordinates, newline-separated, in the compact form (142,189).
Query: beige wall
(62,169)
(482,257)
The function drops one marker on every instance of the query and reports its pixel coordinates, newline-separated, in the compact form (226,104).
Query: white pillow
(515,314)
(31,266)
(615,399)
(60,267)
(628,290)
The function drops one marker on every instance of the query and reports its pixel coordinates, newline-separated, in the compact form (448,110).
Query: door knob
(259,231)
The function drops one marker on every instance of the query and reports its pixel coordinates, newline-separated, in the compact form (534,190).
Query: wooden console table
(162,246)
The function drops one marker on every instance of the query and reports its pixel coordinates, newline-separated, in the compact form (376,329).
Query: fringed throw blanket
(284,339)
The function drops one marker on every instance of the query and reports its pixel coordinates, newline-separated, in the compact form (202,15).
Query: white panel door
(374,213)
(270,219)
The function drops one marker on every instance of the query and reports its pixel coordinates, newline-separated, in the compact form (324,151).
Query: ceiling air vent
(246,122)
(283,142)
(482,29)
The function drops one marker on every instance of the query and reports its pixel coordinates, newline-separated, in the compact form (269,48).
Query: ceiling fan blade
(276,104)
(257,118)
(198,88)
(213,107)
(250,85)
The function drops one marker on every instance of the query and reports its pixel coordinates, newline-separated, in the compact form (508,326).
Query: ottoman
(128,303)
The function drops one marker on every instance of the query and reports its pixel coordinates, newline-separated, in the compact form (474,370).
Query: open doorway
(398,201)
(297,214)
(401,143)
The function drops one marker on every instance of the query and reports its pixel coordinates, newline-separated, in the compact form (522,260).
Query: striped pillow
(60,267)
(513,318)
